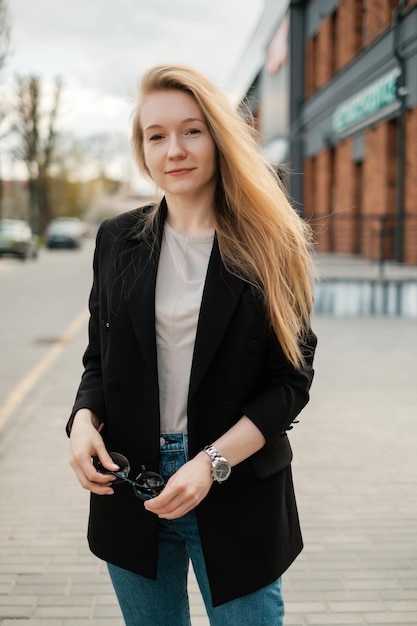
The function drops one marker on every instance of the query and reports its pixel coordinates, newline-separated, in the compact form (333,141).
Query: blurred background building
(332,85)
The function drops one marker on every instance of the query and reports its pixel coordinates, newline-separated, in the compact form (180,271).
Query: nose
(176,149)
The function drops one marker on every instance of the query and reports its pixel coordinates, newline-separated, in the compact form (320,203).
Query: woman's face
(179,150)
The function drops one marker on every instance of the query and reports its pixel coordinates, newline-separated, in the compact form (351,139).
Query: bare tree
(27,127)
(5,29)
(37,149)
(47,157)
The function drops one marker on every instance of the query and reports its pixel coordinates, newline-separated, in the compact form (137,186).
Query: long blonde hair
(261,238)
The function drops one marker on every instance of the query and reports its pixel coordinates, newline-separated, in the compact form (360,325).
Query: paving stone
(91,622)
(23,600)
(64,600)
(356,606)
(305,607)
(294,619)
(59,611)
(403,605)
(32,622)
(391,618)
(327,619)
(15,611)
(200,621)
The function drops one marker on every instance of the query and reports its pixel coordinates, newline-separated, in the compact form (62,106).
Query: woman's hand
(85,443)
(184,490)
(192,482)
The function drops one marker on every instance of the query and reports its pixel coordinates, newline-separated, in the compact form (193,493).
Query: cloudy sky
(101,47)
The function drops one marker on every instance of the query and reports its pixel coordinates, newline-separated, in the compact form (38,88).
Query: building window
(358,25)
(310,66)
(334,43)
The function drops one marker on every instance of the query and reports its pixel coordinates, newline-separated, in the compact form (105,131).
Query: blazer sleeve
(90,393)
(284,391)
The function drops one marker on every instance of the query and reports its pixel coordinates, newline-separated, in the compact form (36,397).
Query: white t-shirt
(180,282)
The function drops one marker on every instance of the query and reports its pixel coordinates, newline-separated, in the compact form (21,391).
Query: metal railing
(379,238)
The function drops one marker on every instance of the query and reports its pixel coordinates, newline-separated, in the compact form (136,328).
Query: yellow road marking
(16,397)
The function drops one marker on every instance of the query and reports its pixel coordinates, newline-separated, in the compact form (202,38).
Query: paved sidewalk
(330,265)
(355,472)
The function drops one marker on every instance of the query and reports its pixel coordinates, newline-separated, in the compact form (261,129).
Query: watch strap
(220,467)
(212,452)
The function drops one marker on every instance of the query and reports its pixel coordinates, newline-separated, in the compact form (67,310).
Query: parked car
(64,232)
(17,238)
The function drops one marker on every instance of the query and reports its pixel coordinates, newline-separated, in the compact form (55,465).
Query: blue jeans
(164,602)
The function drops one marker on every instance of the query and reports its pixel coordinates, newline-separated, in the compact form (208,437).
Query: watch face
(221,470)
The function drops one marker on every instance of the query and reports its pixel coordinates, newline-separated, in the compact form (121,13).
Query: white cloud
(105,45)
(86,111)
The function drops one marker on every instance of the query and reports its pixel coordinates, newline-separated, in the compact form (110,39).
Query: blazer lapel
(139,292)
(220,297)
(139,281)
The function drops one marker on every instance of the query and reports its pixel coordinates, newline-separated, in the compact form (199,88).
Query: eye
(155,138)
(193,131)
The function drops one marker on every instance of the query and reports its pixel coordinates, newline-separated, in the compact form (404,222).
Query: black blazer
(248,525)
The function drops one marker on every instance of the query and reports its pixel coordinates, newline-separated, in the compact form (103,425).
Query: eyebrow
(186,121)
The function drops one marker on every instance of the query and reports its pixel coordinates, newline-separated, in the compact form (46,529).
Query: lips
(180,171)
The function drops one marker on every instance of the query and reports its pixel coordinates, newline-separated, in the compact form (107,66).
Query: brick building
(348,129)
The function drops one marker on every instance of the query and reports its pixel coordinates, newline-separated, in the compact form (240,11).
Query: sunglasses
(146,485)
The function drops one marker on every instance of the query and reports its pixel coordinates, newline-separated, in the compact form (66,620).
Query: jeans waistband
(174,441)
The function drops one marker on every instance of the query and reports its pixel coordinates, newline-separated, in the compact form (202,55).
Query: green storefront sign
(377,96)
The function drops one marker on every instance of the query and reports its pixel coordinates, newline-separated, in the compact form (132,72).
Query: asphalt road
(43,302)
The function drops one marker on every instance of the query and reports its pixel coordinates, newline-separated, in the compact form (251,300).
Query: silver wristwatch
(220,467)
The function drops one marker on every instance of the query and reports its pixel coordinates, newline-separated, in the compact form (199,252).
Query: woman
(199,360)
